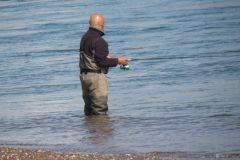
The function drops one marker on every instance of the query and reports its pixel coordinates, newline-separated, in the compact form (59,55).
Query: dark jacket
(93,45)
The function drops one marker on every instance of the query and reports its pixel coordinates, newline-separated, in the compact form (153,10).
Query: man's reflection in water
(100,128)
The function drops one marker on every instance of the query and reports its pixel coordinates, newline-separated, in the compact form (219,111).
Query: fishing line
(126,67)
(172,58)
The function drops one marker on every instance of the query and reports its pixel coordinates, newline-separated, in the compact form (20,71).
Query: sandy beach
(9,153)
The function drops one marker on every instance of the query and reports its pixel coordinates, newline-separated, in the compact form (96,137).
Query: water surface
(182,94)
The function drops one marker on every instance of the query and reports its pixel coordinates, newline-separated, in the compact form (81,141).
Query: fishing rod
(170,58)
(127,67)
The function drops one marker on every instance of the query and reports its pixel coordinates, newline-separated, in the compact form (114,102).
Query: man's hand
(109,56)
(122,61)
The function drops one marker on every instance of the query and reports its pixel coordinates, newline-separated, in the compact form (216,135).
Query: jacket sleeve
(101,53)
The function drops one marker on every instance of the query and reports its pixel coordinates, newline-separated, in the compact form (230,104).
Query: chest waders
(89,64)
(94,85)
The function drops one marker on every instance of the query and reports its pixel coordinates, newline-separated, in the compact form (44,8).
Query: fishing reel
(125,67)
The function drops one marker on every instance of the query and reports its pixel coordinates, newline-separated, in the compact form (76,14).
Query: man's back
(96,47)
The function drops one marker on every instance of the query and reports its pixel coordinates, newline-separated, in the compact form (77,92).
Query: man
(94,63)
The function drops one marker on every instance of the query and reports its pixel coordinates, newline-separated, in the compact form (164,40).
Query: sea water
(182,94)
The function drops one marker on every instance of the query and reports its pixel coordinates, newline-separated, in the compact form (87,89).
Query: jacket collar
(97,30)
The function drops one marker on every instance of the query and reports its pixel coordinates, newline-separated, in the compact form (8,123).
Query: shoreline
(18,153)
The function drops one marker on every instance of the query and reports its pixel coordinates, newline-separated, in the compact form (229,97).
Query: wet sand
(7,153)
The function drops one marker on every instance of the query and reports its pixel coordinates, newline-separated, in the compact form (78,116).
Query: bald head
(97,21)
